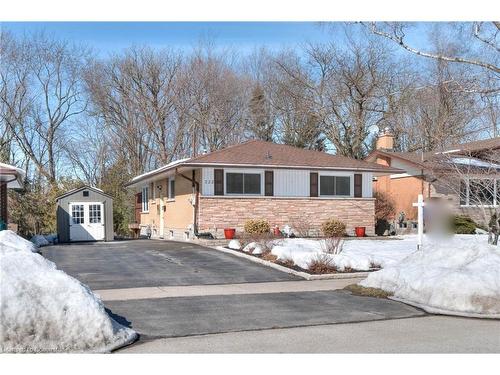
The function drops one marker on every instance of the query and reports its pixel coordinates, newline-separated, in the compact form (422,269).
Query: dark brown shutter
(358,185)
(218,181)
(269,183)
(138,207)
(313,184)
(167,187)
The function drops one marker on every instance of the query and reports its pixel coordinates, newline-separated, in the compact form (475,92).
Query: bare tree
(41,94)
(218,99)
(486,34)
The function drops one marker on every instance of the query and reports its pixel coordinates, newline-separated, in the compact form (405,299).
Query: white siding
(287,182)
(367,185)
(291,183)
(207,186)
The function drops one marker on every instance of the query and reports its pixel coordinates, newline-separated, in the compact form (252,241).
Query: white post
(420,206)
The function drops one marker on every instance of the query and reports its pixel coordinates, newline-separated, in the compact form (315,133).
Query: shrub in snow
(463,224)
(321,264)
(45,310)
(234,244)
(333,228)
(39,240)
(448,276)
(257,226)
(332,245)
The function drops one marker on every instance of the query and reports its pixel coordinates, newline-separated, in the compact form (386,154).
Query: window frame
(337,174)
(171,197)
(496,191)
(145,199)
(81,218)
(259,172)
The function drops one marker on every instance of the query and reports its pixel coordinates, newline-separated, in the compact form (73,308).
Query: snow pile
(45,310)
(39,240)
(234,244)
(360,255)
(452,276)
(253,248)
(8,237)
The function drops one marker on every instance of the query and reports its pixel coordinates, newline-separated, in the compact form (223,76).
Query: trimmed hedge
(333,228)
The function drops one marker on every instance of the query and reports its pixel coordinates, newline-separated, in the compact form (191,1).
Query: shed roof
(85,187)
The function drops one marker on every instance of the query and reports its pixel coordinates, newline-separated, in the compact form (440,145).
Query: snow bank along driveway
(458,276)
(43,309)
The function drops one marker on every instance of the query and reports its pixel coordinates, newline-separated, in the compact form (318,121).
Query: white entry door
(86,221)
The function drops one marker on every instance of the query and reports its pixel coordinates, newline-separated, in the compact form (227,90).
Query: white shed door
(86,221)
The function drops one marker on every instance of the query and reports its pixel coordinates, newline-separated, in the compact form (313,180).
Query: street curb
(304,275)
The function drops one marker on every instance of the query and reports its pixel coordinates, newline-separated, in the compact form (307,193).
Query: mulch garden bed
(316,270)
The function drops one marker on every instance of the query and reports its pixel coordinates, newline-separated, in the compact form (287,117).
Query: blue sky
(108,37)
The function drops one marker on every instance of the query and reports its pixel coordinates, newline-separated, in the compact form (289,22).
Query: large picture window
(145,199)
(335,185)
(479,192)
(243,183)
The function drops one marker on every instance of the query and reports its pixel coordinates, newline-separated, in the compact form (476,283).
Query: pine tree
(260,122)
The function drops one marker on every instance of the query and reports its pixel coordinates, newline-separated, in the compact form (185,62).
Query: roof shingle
(267,154)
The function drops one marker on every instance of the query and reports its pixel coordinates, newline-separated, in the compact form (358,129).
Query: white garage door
(86,221)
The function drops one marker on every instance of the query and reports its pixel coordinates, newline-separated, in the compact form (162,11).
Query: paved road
(183,316)
(430,334)
(145,263)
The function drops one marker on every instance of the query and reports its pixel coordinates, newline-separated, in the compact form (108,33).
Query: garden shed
(85,214)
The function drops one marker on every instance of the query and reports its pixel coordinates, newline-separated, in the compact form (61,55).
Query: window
(335,185)
(85,193)
(95,214)
(478,192)
(145,199)
(171,188)
(77,214)
(243,183)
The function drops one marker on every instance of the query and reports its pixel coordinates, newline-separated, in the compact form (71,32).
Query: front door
(86,221)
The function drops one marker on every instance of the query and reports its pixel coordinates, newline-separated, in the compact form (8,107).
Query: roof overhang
(375,153)
(381,171)
(185,165)
(11,175)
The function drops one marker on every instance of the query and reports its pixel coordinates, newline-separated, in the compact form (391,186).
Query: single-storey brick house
(256,179)
(425,173)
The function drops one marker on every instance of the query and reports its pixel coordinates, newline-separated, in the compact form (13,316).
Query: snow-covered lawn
(43,309)
(458,276)
(359,255)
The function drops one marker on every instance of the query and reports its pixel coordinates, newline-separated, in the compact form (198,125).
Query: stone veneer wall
(217,213)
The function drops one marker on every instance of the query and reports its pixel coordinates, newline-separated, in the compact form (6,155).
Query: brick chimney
(385,140)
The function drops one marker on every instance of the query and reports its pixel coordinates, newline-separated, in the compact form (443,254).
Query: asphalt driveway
(186,316)
(145,263)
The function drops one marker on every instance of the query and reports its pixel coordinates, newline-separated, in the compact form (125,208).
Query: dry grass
(359,290)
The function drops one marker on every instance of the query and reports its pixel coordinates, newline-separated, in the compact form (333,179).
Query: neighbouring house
(10,178)
(283,184)
(453,174)
(84,214)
